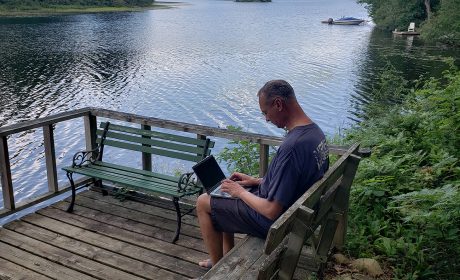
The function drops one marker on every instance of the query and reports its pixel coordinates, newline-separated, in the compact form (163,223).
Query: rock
(369,266)
(340,259)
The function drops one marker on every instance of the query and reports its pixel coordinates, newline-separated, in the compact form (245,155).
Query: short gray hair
(277,88)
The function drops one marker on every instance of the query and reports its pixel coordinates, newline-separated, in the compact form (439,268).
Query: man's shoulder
(304,135)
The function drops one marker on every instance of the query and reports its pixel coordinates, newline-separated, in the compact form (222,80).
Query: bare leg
(229,242)
(213,239)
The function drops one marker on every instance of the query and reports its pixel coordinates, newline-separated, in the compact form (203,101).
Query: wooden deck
(103,239)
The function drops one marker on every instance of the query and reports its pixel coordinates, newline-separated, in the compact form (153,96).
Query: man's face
(271,110)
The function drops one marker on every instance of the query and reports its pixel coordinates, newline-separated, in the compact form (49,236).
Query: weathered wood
(140,240)
(83,249)
(90,123)
(9,270)
(5,173)
(128,245)
(65,258)
(50,158)
(263,159)
(326,237)
(38,199)
(146,157)
(343,197)
(238,260)
(301,229)
(135,221)
(28,125)
(36,263)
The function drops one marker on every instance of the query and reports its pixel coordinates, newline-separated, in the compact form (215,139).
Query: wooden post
(342,200)
(146,157)
(50,156)
(7,184)
(263,159)
(90,131)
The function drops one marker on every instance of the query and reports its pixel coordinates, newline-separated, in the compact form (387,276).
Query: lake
(201,62)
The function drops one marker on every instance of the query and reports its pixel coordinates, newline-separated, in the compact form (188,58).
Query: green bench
(319,216)
(146,141)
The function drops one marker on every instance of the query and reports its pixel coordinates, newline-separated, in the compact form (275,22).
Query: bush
(405,203)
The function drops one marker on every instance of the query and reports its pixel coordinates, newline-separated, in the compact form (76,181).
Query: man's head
(276,98)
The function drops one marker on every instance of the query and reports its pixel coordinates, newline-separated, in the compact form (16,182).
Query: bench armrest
(185,181)
(83,157)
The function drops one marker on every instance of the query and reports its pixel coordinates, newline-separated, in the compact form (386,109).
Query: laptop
(210,175)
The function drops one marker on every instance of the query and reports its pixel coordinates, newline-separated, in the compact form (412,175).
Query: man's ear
(279,104)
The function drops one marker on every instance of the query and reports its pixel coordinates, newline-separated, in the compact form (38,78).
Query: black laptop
(210,175)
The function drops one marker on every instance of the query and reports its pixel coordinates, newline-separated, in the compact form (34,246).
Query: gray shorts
(235,216)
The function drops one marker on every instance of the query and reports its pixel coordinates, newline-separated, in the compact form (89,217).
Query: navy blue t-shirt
(301,160)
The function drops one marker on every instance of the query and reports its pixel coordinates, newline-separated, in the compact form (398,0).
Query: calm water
(201,62)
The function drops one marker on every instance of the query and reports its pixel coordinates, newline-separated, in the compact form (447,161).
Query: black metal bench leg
(179,219)
(72,185)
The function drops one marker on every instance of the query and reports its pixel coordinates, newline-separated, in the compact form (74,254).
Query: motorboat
(344,21)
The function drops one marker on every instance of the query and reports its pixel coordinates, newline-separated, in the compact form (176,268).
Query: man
(300,161)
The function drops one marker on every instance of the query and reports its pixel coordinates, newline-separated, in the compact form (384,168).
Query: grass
(75,9)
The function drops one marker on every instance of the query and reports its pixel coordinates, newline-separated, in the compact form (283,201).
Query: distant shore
(75,9)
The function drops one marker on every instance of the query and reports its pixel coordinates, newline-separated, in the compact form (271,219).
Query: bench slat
(159,135)
(138,171)
(127,174)
(152,142)
(138,184)
(144,149)
(236,262)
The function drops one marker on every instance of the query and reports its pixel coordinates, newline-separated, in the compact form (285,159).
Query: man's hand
(244,180)
(233,188)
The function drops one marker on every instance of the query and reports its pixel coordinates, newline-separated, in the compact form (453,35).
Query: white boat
(344,21)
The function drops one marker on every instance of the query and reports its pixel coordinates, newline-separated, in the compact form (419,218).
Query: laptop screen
(209,172)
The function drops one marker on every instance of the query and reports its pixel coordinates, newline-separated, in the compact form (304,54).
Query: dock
(105,238)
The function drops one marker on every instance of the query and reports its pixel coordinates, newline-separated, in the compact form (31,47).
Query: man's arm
(269,209)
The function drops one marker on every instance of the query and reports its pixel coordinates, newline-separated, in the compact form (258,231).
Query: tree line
(86,3)
(437,19)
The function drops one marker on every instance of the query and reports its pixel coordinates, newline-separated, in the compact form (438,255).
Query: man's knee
(203,203)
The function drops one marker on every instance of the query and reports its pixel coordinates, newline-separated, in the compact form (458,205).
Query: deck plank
(38,264)
(121,234)
(140,222)
(103,239)
(83,249)
(164,210)
(12,271)
(152,257)
(64,257)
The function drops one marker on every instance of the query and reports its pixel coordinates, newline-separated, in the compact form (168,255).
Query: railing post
(263,159)
(5,172)
(50,157)
(90,131)
(146,157)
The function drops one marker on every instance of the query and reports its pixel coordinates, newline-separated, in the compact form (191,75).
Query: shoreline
(63,10)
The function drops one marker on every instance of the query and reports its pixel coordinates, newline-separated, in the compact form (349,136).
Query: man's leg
(213,239)
(229,242)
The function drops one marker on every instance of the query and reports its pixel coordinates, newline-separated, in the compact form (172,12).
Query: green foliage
(241,156)
(405,202)
(393,14)
(445,24)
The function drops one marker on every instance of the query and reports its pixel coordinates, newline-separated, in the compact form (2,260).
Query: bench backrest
(154,142)
(324,204)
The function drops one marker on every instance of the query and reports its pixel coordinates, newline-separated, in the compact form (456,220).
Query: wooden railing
(89,116)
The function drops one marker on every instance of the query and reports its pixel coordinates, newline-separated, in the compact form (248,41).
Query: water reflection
(201,63)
